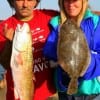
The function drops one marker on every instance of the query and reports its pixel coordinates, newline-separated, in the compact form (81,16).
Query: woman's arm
(50,48)
(94,67)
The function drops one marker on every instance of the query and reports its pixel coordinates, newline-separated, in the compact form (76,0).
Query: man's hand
(8,32)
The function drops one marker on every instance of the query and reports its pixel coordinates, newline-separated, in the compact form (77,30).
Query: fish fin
(73,85)
(18,59)
(53,97)
(16,94)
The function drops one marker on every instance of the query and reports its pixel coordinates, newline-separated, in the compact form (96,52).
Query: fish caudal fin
(72,88)
(53,97)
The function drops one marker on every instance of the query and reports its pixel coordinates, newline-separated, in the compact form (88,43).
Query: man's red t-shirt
(44,85)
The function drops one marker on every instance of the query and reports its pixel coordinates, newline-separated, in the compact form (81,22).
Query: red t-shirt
(44,85)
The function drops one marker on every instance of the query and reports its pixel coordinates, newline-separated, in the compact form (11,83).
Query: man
(38,21)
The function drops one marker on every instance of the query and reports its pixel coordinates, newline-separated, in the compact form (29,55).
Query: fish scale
(73,53)
(22,72)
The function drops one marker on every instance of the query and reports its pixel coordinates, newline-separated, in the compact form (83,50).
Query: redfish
(22,63)
(73,53)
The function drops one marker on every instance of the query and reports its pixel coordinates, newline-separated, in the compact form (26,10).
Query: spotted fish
(22,63)
(73,53)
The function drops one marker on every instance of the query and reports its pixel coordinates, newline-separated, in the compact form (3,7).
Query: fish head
(69,26)
(22,38)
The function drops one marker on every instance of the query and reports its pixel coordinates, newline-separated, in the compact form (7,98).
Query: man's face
(24,8)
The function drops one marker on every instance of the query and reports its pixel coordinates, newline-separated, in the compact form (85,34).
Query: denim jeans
(64,96)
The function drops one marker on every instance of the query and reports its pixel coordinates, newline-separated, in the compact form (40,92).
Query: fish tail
(72,88)
(53,97)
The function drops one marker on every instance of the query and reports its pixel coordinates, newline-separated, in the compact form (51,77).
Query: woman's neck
(73,18)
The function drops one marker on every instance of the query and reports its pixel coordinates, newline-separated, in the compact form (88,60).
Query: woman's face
(73,7)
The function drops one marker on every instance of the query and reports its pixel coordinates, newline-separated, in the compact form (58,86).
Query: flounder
(73,53)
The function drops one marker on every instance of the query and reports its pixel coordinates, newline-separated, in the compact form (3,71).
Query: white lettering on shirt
(40,64)
(40,67)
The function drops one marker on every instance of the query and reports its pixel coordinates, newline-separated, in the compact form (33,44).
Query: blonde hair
(63,15)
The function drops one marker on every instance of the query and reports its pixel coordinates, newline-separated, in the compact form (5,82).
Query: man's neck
(26,18)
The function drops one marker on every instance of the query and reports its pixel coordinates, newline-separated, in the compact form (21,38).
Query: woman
(38,21)
(89,84)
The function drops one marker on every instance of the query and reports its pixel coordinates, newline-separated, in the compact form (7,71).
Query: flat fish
(22,63)
(73,53)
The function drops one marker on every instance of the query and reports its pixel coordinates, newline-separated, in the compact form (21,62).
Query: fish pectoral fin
(18,59)
(72,87)
(16,94)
